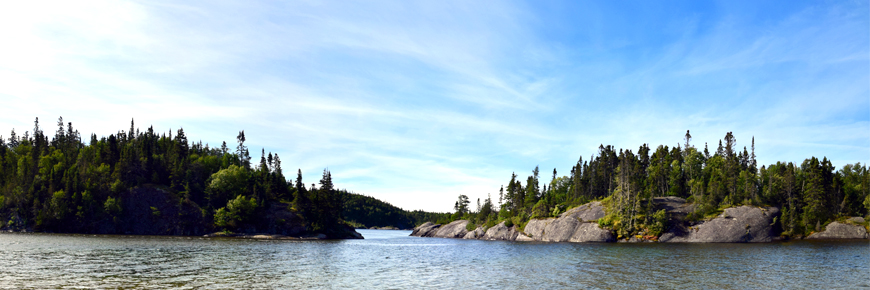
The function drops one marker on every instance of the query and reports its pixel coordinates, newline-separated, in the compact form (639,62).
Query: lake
(392,259)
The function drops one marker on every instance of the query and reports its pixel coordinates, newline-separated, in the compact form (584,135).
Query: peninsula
(679,194)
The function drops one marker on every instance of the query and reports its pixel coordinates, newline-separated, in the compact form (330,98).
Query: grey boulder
(837,230)
(500,232)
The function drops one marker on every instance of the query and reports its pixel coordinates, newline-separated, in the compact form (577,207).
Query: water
(391,259)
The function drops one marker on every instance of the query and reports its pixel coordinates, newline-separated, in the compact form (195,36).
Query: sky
(417,102)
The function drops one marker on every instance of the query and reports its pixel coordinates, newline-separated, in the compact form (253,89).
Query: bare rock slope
(576,225)
(744,224)
(455,229)
(837,230)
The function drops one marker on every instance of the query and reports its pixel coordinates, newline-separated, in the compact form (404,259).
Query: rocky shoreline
(743,224)
(355,235)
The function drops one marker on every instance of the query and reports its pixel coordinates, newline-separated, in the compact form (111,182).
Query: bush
(660,222)
(490,223)
(470,226)
(112,206)
(237,212)
(222,218)
(508,222)
(558,209)
(541,209)
(606,222)
(222,185)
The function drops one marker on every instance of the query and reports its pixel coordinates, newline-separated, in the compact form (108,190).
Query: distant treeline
(56,182)
(810,194)
(366,211)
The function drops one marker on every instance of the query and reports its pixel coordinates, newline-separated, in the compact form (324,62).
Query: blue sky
(416,102)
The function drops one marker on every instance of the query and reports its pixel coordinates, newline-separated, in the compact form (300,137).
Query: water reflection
(391,259)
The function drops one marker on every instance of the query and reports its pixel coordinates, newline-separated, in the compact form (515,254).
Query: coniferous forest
(147,182)
(810,194)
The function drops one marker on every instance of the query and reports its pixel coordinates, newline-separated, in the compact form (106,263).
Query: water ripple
(391,260)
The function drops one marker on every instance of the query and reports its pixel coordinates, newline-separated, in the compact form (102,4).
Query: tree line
(810,194)
(57,182)
(364,212)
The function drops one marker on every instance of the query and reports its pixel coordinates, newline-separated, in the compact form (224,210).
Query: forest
(147,182)
(810,194)
(365,212)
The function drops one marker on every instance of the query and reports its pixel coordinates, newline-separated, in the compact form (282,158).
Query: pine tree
(814,209)
(242,151)
(688,138)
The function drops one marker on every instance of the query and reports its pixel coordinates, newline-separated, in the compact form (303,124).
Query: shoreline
(207,236)
(741,224)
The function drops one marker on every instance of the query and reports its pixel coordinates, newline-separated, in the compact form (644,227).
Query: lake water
(391,259)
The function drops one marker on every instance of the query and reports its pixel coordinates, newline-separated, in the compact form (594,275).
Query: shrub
(490,223)
(541,209)
(660,222)
(470,226)
(606,222)
(222,218)
(508,222)
(112,206)
(558,209)
(237,211)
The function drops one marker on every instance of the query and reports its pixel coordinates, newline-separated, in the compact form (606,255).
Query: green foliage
(660,222)
(470,226)
(490,223)
(223,219)
(59,207)
(112,207)
(461,205)
(227,183)
(540,210)
(238,211)
(867,202)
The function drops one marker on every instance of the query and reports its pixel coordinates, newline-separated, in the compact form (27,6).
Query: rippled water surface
(391,259)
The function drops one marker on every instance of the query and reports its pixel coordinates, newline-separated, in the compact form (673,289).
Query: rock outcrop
(577,225)
(475,234)
(744,224)
(427,229)
(455,229)
(837,230)
(500,232)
